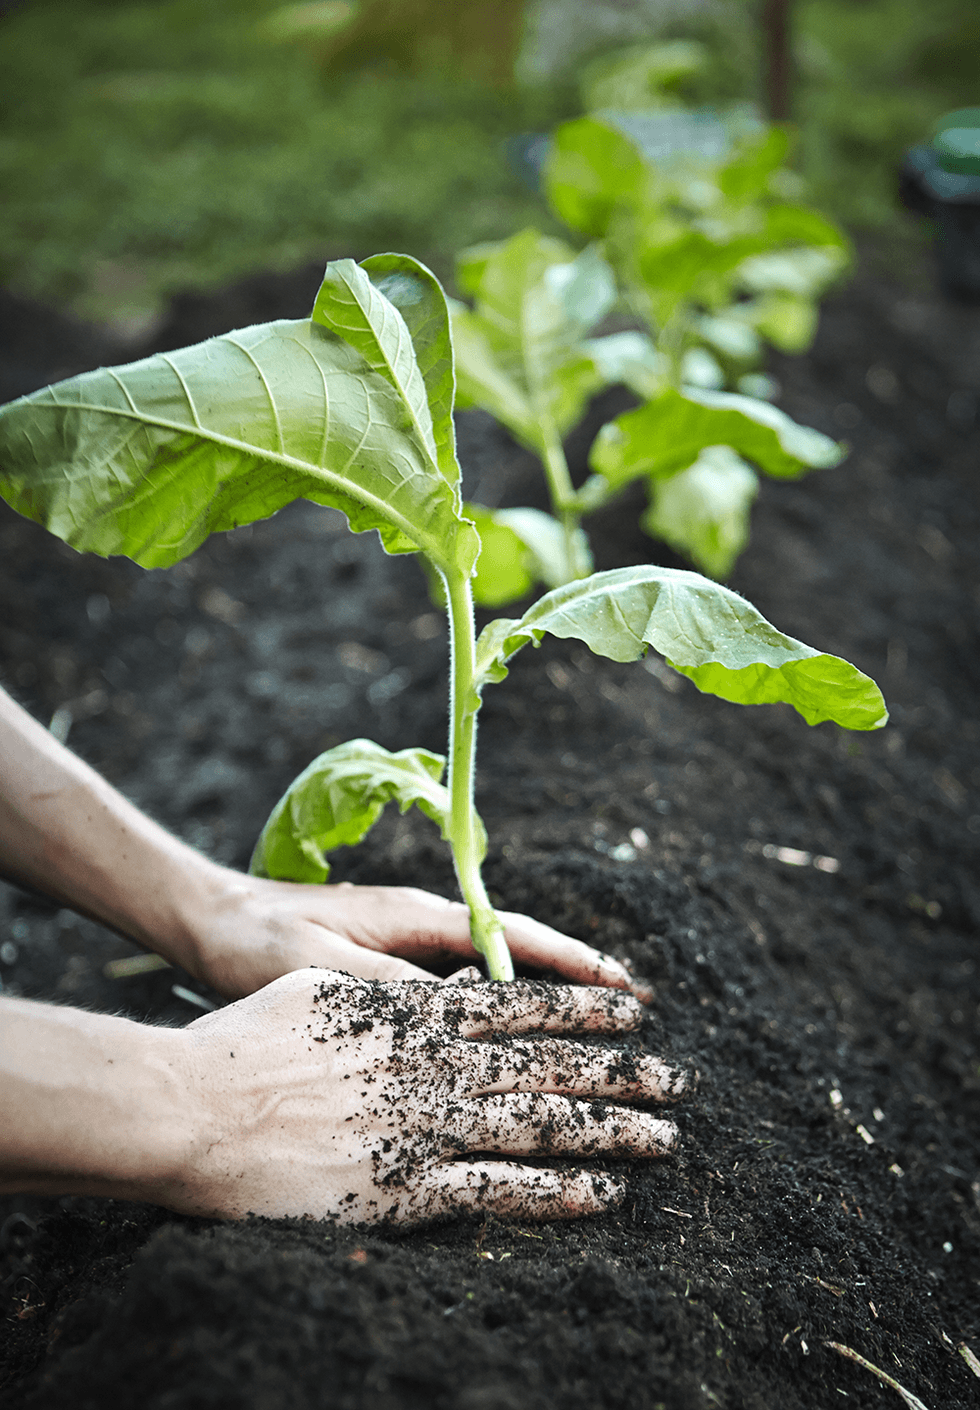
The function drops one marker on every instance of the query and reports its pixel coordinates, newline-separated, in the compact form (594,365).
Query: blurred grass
(873,76)
(146,147)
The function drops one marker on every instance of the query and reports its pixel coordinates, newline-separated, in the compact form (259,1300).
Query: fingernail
(664,1136)
(679,1081)
(643,992)
(610,1189)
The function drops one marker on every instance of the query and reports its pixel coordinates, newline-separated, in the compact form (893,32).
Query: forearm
(70,835)
(91,1104)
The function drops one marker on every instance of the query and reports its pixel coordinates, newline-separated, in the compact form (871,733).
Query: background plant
(524,353)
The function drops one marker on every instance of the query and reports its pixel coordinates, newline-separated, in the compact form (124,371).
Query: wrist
(93,1104)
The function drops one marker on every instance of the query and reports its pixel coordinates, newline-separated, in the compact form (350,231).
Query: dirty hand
(255,930)
(334,1097)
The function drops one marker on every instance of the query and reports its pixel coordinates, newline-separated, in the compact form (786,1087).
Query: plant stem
(563,498)
(467,836)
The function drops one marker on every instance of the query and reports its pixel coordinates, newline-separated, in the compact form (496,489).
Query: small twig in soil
(189,997)
(912,1401)
(132,965)
(969,1358)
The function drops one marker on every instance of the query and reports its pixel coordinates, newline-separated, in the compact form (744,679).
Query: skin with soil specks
(378,1100)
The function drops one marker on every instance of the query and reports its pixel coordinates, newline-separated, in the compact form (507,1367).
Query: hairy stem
(468,839)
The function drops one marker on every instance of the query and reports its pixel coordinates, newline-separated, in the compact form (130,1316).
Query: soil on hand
(806,903)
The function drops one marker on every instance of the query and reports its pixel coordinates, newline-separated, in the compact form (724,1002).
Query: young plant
(352,408)
(697,213)
(523,353)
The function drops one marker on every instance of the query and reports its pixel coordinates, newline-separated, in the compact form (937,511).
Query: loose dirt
(806,903)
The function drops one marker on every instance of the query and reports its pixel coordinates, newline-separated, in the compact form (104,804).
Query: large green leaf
(704,630)
(703,511)
(521,352)
(419,298)
(669,433)
(149,459)
(338,798)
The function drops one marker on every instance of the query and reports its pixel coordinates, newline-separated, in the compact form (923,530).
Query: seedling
(352,408)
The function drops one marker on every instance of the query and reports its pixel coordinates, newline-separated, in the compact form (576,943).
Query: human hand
(333,1097)
(255,930)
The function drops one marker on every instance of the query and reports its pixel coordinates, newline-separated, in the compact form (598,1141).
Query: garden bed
(806,903)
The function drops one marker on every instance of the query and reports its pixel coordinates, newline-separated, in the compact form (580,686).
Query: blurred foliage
(873,76)
(148,147)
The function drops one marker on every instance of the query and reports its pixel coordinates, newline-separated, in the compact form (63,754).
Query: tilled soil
(806,903)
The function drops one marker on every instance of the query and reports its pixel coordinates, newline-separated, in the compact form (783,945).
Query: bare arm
(69,834)
(334,1097)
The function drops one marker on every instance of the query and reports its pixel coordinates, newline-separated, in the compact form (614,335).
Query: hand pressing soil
(333,1097)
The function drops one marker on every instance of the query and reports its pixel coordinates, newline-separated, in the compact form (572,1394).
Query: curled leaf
(338,798)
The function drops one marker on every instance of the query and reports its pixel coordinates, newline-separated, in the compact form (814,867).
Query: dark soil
(828,1184)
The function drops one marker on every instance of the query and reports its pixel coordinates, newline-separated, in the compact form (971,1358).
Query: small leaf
(788,321)
(635,78)
(700,370)
(746,176)
(730,334)
(149,459)
(704,630)
(591,169)
(522,547)
(806,272)
(631,359)
(503,572)
(669,433)
(703,511)
(338,798)
(544,538)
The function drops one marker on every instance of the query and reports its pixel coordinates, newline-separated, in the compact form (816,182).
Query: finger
(533,1006)
(515,1191)
(335,952)
(417,924)
(575,1069)
(537,945)
(469,975)
(541,1123)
